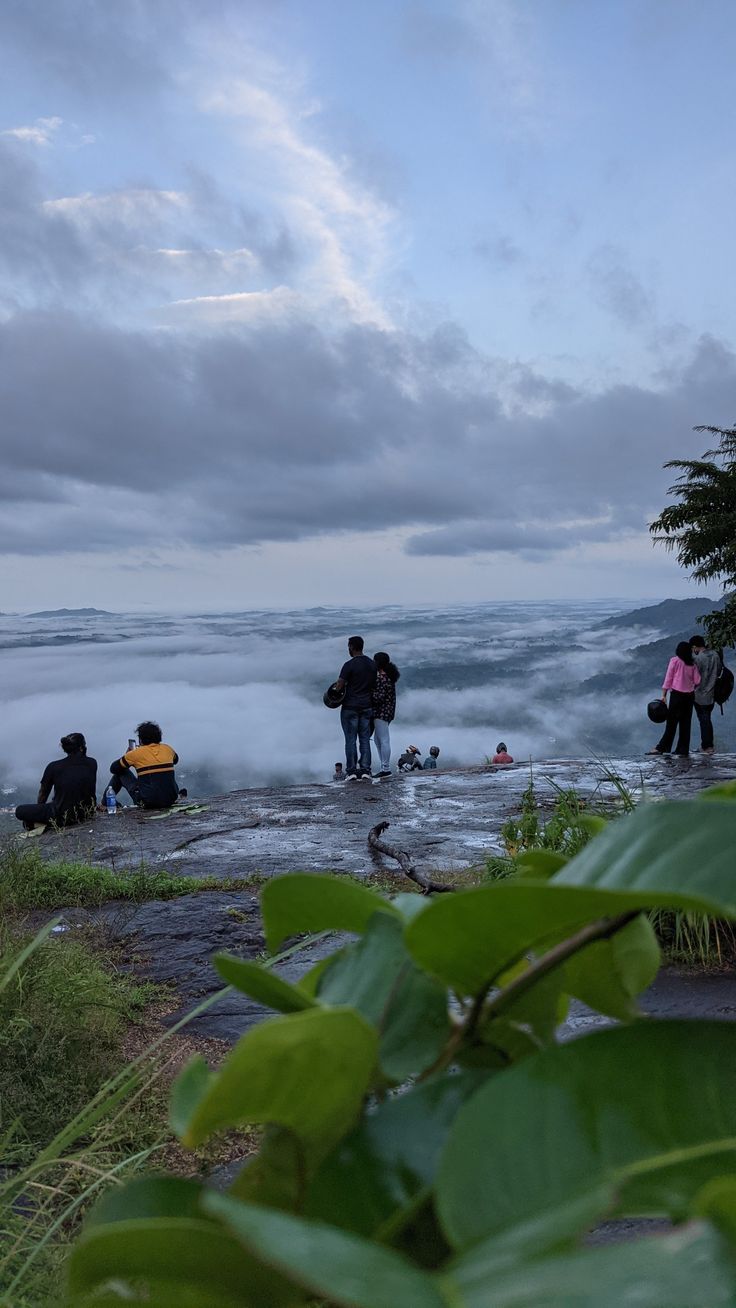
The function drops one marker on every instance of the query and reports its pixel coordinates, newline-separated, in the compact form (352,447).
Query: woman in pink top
(681,679)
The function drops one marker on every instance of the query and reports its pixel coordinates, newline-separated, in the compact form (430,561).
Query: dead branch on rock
(426,886)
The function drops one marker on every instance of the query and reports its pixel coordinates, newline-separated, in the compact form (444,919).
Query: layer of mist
(240,695)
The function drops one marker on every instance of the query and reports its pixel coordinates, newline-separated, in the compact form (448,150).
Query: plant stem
(603,929)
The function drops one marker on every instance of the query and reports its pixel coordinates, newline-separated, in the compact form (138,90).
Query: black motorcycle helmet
(333,696)
(657,710)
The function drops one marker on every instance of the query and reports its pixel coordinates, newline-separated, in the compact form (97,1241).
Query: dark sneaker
(351,776)
(365,776)
(386,773)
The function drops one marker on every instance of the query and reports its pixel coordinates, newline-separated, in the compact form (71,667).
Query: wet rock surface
(447,820)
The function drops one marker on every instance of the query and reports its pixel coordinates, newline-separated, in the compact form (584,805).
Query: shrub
(427,1141)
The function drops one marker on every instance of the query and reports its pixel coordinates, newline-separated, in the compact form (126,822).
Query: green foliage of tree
(700,527)
(428,1141)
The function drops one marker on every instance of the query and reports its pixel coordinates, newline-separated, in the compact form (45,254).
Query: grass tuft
(28,881)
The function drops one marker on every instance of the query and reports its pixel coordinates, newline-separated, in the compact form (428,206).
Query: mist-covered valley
(239,695)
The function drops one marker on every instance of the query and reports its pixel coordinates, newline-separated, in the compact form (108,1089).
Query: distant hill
(670,615)
(71,613)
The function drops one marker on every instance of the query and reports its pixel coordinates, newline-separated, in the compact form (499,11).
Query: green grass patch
(28,881)
(64,1014)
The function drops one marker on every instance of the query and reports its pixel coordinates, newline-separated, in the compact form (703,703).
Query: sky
(319,301)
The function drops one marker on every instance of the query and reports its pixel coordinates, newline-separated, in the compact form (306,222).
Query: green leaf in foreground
(692,1268)
(307,1071)
(301,902)
(647,1110)
(389,1161)
(262,985)
(376,976)
(343,1268)
(677,855)
(609,974)
(168,1253)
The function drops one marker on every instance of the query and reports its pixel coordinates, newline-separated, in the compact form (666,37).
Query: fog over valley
(240,695)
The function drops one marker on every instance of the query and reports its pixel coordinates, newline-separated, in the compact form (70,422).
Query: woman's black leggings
(679,715)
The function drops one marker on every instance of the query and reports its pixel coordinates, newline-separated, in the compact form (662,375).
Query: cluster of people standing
(67,794)
(690,682)
(368,708)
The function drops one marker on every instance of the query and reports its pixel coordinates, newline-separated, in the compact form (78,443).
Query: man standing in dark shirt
(358,676)
(73,781)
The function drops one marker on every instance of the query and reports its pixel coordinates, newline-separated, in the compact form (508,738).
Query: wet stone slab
(447,820)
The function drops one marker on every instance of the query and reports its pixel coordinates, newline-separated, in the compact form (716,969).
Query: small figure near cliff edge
(409,760)
(681,680)
(430,761)
(73,780)
(339,774)
(358,676)
(502,754)
(153,782)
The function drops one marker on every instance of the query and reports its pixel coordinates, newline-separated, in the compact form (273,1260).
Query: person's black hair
(384,664)
(149,733)
(501,748)
(697,640)
(74,743)
(684,652)
(356,642)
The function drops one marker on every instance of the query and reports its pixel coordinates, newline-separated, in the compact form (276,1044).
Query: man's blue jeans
(356,726)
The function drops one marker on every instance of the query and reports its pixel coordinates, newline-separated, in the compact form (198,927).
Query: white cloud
(128,206)
(40,133)
(347,227)
(236,306)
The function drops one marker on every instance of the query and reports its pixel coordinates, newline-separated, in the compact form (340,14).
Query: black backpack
(724,685)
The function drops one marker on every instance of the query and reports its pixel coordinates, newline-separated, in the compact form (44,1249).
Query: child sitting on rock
(431,759)
(409,760)
(502,754)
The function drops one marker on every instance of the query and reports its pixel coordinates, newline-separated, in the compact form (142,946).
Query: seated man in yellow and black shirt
(153,783)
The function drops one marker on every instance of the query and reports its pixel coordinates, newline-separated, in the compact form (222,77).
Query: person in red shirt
(502,755)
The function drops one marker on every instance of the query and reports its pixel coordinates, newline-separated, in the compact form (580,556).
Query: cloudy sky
(322,301)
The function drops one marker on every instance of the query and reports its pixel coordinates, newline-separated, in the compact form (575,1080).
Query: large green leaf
(677,855)
(472,937)
(307,1071)
(341,1267)
(186,1252)
(377,977)
(148,1196)
(692,1268)
(609,974)
(388,1162)
(663,855)
(262,985)
(647,1110)
(301,902)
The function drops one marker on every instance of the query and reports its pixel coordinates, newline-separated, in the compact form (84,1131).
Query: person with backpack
(681,681)
(709,666)
(384,708)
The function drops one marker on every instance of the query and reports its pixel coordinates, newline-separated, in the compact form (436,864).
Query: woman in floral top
(384,708)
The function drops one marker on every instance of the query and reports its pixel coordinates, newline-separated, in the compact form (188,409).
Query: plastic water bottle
(111,803)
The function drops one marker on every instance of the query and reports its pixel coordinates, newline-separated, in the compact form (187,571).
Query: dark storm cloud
(282,432)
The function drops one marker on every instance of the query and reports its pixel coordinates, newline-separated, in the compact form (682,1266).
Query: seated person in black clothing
(153,783)
(73,780)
